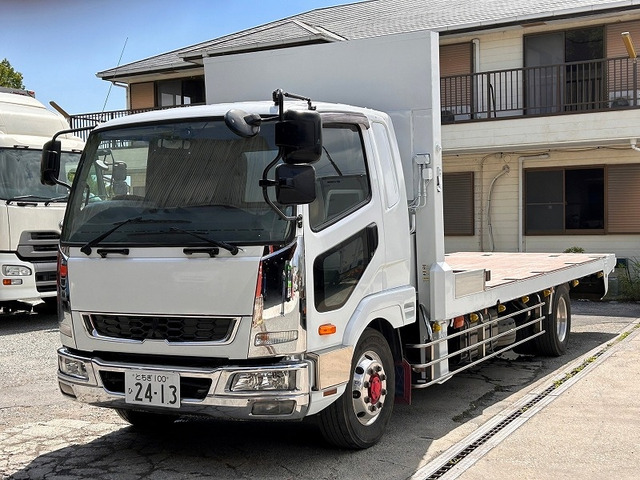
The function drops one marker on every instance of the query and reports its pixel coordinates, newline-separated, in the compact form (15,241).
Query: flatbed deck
(505,268)
(482,279)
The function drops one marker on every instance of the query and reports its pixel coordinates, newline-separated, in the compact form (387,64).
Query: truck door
(343,234)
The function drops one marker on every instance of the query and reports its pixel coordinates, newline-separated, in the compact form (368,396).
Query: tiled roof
(370,19)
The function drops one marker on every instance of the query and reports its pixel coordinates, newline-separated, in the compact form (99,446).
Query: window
(457,193)
(561,73)
(337,271)
(176,92)
(574,200)
(189,182)
(342,182)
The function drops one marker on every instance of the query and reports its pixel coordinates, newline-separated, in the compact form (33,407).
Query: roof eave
(197,57)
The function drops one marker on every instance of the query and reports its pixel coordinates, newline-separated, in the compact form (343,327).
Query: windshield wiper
(215,243)
(86,248)
(35,198)
(333,164)
(56,200)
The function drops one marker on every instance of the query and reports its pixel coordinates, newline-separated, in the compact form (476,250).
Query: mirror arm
(60,182)
(73,130)
(278,99)
(266,183)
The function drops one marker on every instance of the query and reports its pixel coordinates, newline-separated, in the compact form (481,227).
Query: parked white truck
(262,260)
(30,213)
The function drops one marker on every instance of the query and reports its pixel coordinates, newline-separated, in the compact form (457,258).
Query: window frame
(611,196)
(183,83)
(369,194)
(368,240)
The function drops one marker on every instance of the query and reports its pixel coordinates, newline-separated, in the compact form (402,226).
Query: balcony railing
(89,120)
(548,90)
(566,88)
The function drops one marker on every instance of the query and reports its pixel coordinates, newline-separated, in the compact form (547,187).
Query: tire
(557,325)
(529,347)
(358,419)
(146,420)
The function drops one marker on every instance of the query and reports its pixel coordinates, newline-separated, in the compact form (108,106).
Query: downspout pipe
(634,146)
(505,170)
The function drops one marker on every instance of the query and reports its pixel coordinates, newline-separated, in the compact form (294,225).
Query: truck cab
(30,212)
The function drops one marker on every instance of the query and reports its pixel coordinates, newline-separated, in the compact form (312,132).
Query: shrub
(629,280)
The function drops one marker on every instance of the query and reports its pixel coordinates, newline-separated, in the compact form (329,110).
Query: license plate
(161,389)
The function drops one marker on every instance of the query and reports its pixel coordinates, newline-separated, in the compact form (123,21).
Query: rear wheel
(146,420)
(557,325)
(359,417)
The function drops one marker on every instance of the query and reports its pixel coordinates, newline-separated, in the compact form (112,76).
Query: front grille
(190,387)
(55,236)
(41,246)
(46,281)
(171,329)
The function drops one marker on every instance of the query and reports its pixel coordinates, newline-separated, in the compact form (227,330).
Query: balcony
(89,120)
(569,88)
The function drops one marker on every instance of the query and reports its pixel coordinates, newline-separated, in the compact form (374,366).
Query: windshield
(184,183)
(20,174)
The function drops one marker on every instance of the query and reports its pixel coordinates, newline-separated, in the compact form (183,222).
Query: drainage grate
(490,434)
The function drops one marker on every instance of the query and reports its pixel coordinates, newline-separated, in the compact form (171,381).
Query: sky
(60,45)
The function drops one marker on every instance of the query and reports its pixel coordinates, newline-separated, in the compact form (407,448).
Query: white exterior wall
(531,134)
(504,203)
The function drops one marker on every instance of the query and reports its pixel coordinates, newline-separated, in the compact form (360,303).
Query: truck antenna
(114,74)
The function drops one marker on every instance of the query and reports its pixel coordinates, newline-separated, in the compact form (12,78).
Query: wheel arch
(391,334)
(385,313)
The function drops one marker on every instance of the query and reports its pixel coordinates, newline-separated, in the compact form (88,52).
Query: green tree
(9,77)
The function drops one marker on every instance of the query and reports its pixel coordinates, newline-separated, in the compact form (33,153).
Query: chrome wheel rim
(369,388)
(562,319)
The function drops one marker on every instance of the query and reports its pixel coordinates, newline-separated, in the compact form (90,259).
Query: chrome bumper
(219,400)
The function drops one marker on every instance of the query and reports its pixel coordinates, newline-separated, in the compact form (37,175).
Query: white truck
(30,213)
(285,259)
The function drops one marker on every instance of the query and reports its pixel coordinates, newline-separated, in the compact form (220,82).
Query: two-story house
(539,107)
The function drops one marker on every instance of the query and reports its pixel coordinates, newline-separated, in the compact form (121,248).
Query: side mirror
(299,136)
(243,124)
(50,162)
(295,184)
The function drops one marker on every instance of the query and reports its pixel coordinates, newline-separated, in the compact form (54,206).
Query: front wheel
(557,325)
(359,417)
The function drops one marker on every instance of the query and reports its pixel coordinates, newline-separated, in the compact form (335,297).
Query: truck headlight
(73,368)
(15,271)
(261,381)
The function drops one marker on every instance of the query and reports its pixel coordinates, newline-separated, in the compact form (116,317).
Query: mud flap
(403,383)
